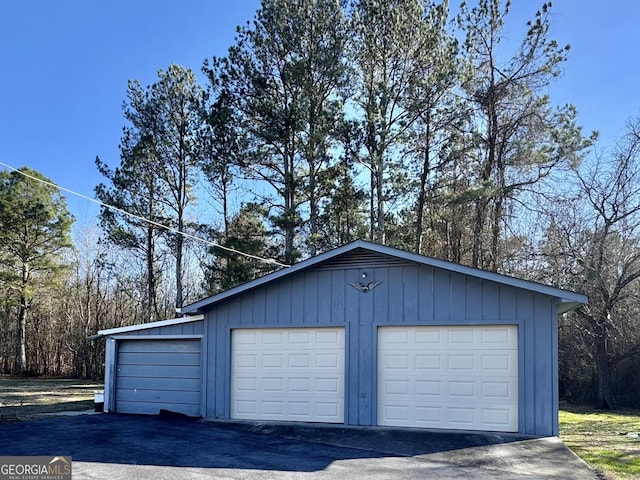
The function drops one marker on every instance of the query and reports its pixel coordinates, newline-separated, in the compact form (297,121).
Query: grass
(25,398)
(604,439)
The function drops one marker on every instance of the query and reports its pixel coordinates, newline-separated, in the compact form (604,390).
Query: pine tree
(285,73)
(34,233)
(519,137)
(158,170)
(394,45)
(246,233)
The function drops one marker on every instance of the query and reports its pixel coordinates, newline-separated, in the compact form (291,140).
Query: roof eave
(145,326)
(566,305)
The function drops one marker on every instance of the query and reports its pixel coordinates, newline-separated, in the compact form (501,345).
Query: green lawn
(27,398)
(604,439)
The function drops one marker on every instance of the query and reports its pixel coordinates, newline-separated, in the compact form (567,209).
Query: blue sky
(65,67)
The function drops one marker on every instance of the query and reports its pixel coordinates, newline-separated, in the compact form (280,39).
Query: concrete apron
(456,453)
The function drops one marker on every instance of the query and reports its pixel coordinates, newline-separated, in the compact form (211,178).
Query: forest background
(402,122)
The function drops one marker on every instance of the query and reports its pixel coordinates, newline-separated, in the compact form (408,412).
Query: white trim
(146,326)
(195,336)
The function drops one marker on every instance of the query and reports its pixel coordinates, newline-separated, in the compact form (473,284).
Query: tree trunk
(495,232)
(372,209)
(179,248)
(380,227)
(152,308)
(313,211)
(422,194)
(289,204)
(21,340)
(604,393)
(225,201)
(476,258)
(183,199)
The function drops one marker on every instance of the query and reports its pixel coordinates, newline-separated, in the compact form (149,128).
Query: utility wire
(146,220)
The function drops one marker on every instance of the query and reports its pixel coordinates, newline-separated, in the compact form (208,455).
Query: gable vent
(361,258)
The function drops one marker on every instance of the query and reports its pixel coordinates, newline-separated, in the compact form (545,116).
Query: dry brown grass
(24,398)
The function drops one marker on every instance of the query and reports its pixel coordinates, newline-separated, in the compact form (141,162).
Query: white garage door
(159,374)
(449,377)
(292,374)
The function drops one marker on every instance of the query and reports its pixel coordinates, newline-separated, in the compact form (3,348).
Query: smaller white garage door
(462,378)
(159,374)
(290,374)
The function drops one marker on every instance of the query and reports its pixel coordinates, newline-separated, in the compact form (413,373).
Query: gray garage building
(362,335)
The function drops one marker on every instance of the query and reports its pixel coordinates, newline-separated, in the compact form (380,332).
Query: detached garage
(361,335)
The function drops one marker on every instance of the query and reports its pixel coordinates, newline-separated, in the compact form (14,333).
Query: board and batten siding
(410,294)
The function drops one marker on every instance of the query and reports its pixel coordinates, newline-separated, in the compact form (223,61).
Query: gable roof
(567,300)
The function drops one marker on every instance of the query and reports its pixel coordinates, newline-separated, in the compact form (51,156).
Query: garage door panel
(273,360)
(432,363)
(154,408)
(330,387)
(329,338)
(498,336)
(501,419)
(460,390)
(154,383)
(428,388)
(426,378)
(159,346)
(275,339)
(288,374)
(157,396)
(274,408)
(497,362)
(298,360)
(169,371)
(460,363)
(477,337)
(298,384)
(287,361)
(464,417)
(158,358)
(158,374)
(274,384)
(327,411)
(496,390)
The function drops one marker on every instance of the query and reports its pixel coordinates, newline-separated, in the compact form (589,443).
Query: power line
(146,220)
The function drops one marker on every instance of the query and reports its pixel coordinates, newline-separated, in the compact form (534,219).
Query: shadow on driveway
(183,442)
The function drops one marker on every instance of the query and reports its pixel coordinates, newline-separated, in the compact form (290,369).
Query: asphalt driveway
(114,446)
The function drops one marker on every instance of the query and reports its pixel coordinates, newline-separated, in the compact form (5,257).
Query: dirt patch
(28,398)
